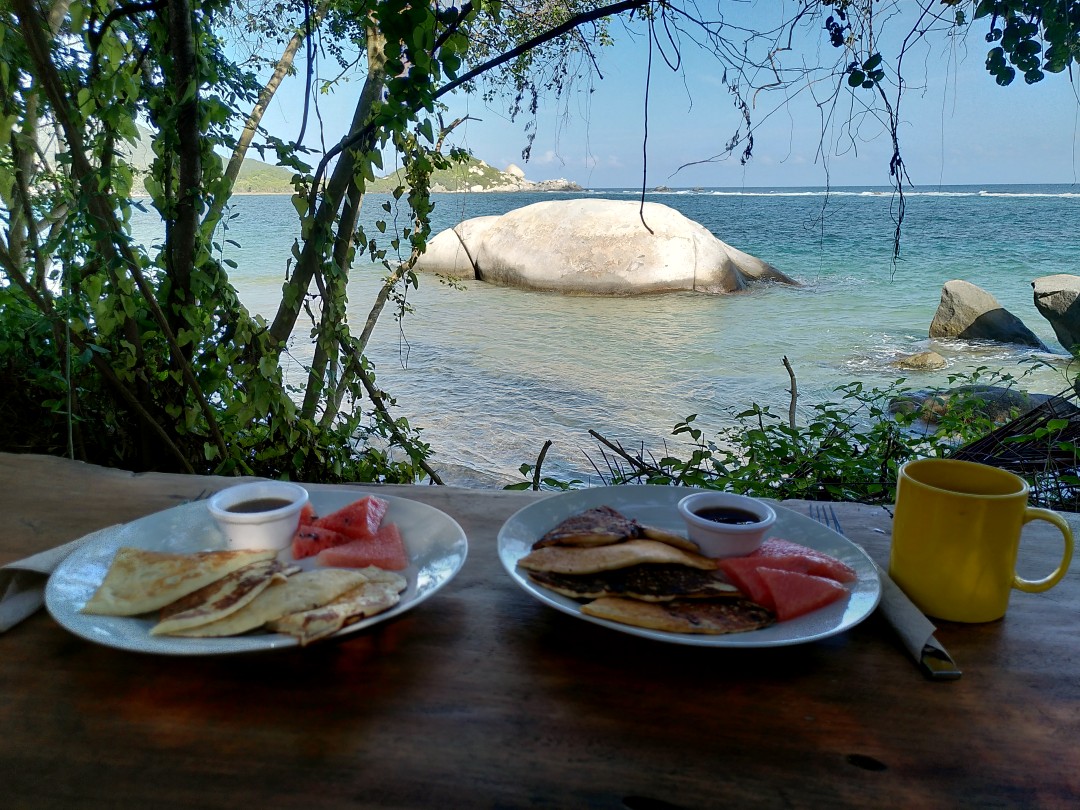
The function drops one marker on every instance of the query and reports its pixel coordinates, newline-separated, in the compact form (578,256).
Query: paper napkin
(22,583)
(914,629)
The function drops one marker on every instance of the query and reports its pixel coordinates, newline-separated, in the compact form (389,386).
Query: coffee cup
(956,538)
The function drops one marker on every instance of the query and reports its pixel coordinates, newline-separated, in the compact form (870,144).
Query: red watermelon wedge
(385,550)
(795,594)
(787,556)
(309,540)
(743,573)
(357,521)
(307,514)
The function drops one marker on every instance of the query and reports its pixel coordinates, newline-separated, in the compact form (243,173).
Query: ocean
(490,374)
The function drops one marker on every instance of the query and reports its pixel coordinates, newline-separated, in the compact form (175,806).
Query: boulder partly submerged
(1057,298)
(997,403)
(969,312)
(593,246)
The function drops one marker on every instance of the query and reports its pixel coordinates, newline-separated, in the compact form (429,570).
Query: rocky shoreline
(492,180)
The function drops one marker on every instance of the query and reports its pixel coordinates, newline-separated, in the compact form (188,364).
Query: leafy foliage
(848,449)
(144,357)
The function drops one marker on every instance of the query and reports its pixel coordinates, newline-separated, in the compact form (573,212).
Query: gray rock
(595,246)
(921,361)
(995,402)
(969,312)
(1057,298)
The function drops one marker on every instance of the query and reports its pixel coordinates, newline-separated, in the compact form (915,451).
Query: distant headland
(257,177)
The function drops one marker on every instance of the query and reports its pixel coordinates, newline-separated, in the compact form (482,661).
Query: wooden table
(483,697)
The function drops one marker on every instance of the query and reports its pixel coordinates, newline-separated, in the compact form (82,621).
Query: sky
(958,126)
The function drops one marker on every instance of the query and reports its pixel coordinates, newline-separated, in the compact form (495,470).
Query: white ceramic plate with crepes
(655,506)
(434,541)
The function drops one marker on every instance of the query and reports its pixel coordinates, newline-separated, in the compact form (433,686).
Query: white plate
(435,543)
(655,506)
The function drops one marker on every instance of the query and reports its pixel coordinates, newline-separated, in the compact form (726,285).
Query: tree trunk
(182,245)
(317,244)
(281,70)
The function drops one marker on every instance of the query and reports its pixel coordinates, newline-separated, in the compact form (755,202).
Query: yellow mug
(956,535)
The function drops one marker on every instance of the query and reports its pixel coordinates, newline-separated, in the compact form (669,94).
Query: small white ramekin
(271,529)
(726,539)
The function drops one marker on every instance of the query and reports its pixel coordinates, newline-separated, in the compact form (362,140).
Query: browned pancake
(594,527)
(567,560)
(701,616)
(671,538)
(651,583)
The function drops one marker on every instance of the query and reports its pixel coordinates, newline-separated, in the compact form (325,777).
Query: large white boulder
(453,252)
(595,246)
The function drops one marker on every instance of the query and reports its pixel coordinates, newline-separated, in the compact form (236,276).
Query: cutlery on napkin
(22,583)
(915,630)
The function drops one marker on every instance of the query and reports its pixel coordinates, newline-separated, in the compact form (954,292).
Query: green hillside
(257,177)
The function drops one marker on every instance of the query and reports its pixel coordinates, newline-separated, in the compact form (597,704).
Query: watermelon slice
(311,539)
(796,594)
(307,514)
(743,573)
(787,556)
(357,521)
(385,550)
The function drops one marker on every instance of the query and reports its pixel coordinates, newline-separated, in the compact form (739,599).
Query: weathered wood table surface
(483,697)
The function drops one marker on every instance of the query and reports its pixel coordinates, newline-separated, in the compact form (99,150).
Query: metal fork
(935,661)
(826,517)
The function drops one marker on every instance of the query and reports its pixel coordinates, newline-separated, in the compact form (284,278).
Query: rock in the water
(1057,298)
(997,403)
(921,361)
(453,252)
(595,246)
(971,313)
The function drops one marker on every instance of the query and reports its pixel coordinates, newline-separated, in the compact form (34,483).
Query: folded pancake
(600,526)
(671,538)
(139,581)
(649,582)
(303,591)
(381,592)
(218,599)
(700,616)
(565,560)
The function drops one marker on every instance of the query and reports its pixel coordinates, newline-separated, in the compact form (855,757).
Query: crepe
(379,593)
(139,581)
(700,616)
(563,560)
(303,591)
(649,582)
(599,526)
(218,599)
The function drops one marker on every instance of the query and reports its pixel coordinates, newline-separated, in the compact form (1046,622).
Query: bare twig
(794,392)
(539,464)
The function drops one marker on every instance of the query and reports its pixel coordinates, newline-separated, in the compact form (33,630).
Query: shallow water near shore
(491,373)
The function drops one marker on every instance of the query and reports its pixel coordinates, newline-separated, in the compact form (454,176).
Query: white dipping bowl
(267,528)
(717,539)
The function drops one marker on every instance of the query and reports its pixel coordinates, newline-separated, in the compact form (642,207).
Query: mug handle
(1039,585)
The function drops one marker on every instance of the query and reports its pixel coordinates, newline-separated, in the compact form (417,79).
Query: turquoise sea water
(491,373)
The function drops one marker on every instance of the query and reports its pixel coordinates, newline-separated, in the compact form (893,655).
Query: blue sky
(959,127)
